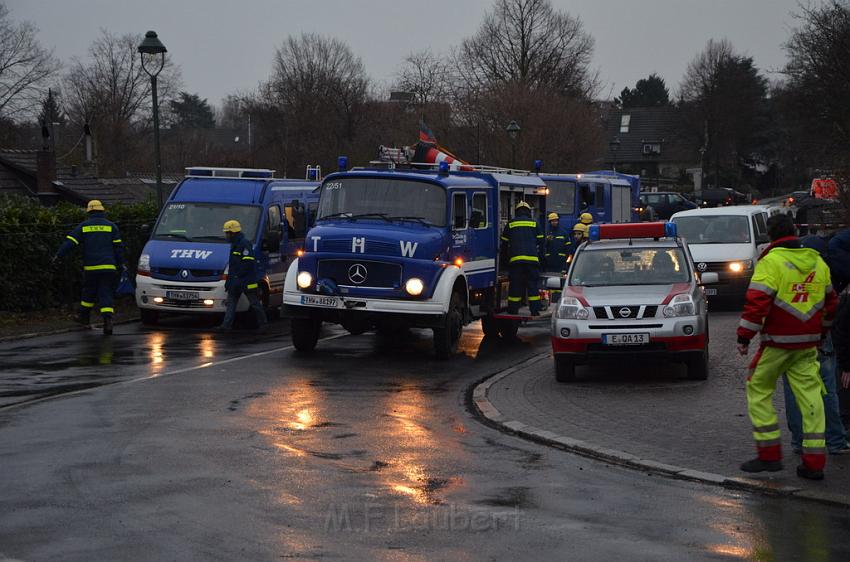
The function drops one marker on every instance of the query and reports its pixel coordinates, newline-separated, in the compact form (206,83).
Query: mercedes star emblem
(184,273)
(702,266)
(625,312)
(357,273)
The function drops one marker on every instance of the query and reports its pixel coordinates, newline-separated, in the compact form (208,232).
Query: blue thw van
(396,248)
(610,197)
(183,266)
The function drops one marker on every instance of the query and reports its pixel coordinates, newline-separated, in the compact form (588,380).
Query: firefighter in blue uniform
(521,241)
(103,253)
(241,277)
(557,245)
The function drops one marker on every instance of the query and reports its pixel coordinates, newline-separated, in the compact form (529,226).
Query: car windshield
(383,198)
(714,229)
(629,266)
(204,221)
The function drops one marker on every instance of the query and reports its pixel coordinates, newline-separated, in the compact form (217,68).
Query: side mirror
(145,231)
(555,283)
(709,278)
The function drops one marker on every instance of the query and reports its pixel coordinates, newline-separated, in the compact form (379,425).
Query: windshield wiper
(209,237)
(421,220)
(174,235)
(335,215)
(350,216)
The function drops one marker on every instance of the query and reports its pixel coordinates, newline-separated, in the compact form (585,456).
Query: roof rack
(229,173)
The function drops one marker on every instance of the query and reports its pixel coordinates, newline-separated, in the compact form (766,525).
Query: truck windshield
(629,266)
(714,229)
(562,197)
(383,198)
(204,221)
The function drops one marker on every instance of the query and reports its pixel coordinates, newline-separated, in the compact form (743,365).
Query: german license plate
(315,300)
(182,295)
(625,339)
(711,292)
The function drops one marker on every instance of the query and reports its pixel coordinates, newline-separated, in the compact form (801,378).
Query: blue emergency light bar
(342,163)
(632,230)
(233,173)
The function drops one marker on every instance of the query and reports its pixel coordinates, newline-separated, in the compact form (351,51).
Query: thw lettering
(408,248)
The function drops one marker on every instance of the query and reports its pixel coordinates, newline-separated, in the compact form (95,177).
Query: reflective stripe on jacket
(521,239)
(100,242)
(790,300)
(243,263)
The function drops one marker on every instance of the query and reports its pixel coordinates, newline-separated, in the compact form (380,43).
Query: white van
(727,241)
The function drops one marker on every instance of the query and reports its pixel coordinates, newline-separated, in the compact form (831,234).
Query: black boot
(82,319)
(809,473)
(107,325)
(758,465)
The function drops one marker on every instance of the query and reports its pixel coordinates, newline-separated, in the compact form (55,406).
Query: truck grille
(635,312)
(361,273)
(372,247)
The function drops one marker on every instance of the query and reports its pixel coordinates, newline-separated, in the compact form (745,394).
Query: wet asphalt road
(237,448)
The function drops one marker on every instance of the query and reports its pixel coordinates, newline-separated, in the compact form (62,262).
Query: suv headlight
(681,305)
(571,308)
(144,263)
(739,266)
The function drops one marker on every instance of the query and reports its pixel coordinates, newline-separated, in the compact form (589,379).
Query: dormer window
(625,121)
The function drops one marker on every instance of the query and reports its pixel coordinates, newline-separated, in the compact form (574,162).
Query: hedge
(30,235)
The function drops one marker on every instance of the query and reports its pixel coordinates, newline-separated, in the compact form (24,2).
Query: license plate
(710,292)
(314,300)
(182,295)
(625,339)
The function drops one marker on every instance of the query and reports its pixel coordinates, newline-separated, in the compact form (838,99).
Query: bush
(30,235)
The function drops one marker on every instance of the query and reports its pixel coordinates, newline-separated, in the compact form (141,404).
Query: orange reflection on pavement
(740,541)
(207,347)
(156,341)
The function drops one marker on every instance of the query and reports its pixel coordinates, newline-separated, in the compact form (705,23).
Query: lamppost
(513,130)
(615,146)
(152,47)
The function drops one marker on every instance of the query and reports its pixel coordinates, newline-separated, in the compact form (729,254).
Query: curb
(493,417)
(70,329)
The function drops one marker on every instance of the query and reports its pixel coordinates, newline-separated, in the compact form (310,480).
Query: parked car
(632,289)
(665,203)
(721,197)
(726,241)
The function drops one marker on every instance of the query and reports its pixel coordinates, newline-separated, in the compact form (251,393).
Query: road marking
(159,376)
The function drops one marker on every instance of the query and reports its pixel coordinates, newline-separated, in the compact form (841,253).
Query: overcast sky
(224,46)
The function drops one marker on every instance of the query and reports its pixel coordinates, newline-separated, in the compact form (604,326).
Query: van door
(276,263)
(759,223)
(460,227)
(296,221)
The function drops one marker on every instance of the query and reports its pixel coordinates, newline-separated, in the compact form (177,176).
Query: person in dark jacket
(103,253)
(557,245)
(241,277)
(836,435)
(839,259)
(521,245)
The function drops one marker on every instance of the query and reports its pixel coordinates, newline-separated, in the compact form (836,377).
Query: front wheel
(305,333)
(447,337)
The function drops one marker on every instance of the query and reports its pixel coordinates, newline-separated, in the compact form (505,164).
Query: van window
(600,194)
(479,211)
(459,211)
(562,197)
(273,224)
(760,228)
(296,216)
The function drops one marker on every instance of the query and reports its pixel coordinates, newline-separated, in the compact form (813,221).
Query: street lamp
(152,47)
(513,130)
(615,146)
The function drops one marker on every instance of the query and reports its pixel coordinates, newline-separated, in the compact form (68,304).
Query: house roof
(650,125)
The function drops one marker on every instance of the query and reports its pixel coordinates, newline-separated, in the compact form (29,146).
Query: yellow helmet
(94,205)
(232,226)
(581,227)
(523,205)
(586,218)
(553,217)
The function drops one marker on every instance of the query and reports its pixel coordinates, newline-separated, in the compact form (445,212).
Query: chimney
(45,172)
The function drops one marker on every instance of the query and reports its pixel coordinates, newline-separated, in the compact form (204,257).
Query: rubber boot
(809,474)
(107,325)
(758,465)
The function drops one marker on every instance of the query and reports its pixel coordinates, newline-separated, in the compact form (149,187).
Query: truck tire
(565,369)
(447,338)
(698,366)
(490,326)
(149,317)
(508,328)
(305,333)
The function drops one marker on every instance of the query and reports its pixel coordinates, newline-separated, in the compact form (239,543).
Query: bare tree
(110,91)
(425,75)
(531,43)
(25,68)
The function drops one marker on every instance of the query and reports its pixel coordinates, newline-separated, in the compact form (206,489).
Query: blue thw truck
(610,197)
(395,248)
(183,267)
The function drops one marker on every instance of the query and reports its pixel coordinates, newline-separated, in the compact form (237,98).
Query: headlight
(304,280)
(144,263)
(571,309)
(414,286)
(739,266)
(681,305)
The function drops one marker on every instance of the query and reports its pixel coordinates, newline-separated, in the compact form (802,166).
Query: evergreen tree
(648,92)
(190,111)
(51,112)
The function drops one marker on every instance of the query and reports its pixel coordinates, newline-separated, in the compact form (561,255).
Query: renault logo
(184,273)
(625,312)
(702,266)
(357,273)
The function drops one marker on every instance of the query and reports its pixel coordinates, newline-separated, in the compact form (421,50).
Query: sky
(225,47)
